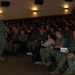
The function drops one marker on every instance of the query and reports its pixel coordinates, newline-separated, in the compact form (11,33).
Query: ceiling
(24,7)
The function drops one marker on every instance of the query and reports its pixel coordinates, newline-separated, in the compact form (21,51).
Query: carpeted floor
(21,65)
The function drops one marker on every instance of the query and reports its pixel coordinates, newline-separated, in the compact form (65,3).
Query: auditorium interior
(37,37)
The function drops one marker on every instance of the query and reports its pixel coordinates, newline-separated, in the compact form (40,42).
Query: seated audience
(42,37)
(46,45)
(45,53)
(69,55)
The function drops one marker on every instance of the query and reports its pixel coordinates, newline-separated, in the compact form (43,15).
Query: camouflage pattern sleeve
(59,41)
(3,30)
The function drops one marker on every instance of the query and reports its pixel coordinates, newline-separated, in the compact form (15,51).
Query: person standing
(3,35)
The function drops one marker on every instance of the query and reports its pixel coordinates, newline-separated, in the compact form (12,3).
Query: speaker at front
(5,3)
(68,0)
(39,2)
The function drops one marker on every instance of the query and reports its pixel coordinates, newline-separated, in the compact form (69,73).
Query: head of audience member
(25,27)
(42,32)
(37,21)
(15,30)
(29,31)
(58,34)
(47,27)
(52,30)
(22,32)
(33,21)
(49,36)
(32,28)
(19,28)
(60,28)
(67,28)
(39,29)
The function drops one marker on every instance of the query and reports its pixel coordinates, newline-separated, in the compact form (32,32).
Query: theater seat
(70,42)
(67,40)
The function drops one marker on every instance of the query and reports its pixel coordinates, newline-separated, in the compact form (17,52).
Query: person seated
(31,44)
(71,64)
(49,42)
(15,40)
(45,53)
(22,42)
(35,40)
(70,56)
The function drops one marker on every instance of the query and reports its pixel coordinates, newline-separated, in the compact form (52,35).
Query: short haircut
(60,32)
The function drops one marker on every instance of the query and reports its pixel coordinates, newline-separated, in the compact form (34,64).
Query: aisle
(21,65)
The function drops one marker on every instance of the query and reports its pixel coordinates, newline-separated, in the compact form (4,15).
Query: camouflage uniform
(45,53)
(58,54)
(3,35)
(9,44)
(70,60)
(23,38)
(36,36)
(31,44)
(15,40)
(22,42)
(68,34)
(42,37)
(71,68)
(64,58)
